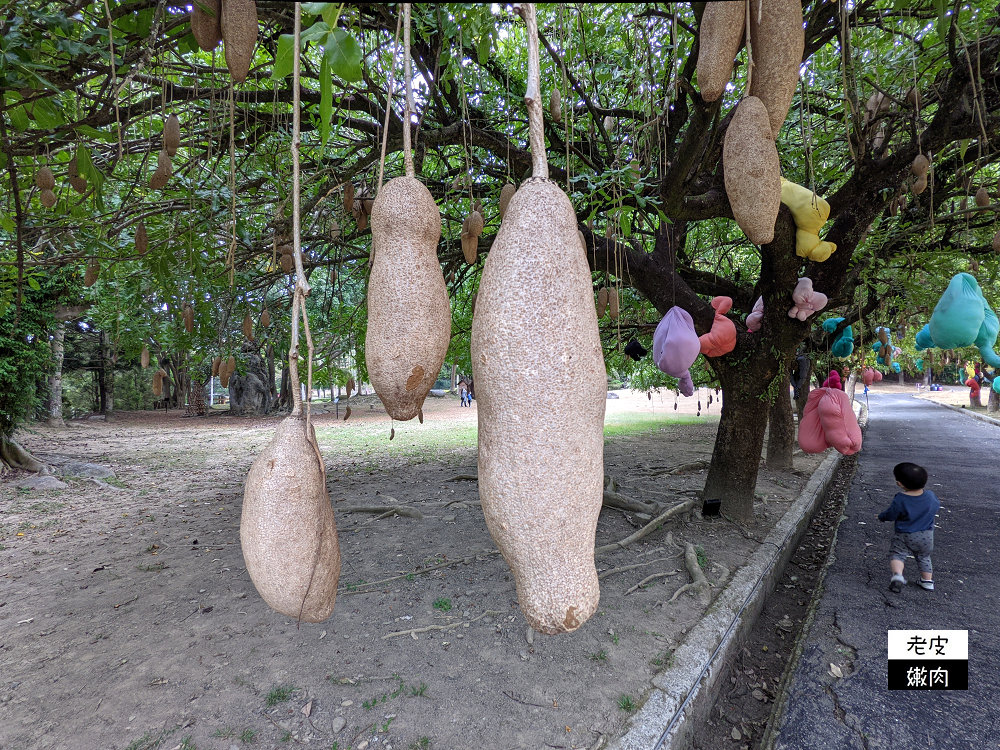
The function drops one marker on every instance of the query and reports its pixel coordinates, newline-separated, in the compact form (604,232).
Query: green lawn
(436,440)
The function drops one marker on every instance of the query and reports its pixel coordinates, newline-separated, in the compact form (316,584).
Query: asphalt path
(858,711)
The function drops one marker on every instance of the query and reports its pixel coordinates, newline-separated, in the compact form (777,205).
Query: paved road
(962,456)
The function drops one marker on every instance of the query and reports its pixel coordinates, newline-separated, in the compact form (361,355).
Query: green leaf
(325,100)
(46,114)
(33,283)
(344,55)
(7,223)
(18,118)
(624,221)
(283,59)
(314,32)
(94,133)
(485,44)
(314,9)
(332,14)
(963,146)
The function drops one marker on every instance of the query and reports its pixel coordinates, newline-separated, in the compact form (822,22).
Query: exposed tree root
(384,511)
(649,528)
(650,579)
(16,457)
(699,585)
(693,466)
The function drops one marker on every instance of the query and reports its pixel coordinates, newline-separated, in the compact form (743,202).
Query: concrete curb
(683,693)
(966,412)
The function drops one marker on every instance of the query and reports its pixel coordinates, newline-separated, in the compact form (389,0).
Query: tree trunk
(902,381)
(780,429)
(804,381)
(271,387)
(975,401)
(732,476)
(249,394)
(454,376)
(993,402)
(55,379)
(108,378)
(851,385)
(16,457)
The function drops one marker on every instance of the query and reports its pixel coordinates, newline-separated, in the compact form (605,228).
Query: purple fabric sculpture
(756,316)
(807,301)
(675,344)
(685,385)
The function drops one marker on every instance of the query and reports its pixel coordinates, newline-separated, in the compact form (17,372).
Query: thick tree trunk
(16,457)
(732,476)
(780,430)
(902,380)
(249,394)
(55,379)
(272,388)
(993,403)
(976,401)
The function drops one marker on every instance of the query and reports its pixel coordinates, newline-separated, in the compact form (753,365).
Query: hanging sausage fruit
(287,529)
(541,469)
(409,316)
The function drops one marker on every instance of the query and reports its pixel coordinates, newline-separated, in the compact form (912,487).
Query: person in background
(463,392)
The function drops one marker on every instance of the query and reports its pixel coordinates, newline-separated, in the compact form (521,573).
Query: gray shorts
(920,543)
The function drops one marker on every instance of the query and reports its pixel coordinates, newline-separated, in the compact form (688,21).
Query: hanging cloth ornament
(756,316)
(675,344)
(806,300)
(810,213)
(722,338)
(828,421)
(842,346)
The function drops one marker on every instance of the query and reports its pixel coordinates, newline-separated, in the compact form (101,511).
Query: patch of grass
(46,507)
(385,697)
(248,736)
(601,655)
(614,638)
(631,423)
(625,703)
(151,740)
(280,695)
(152,568)
(188,744)
(702,557)
(422,744)
(663,659)
(443,604)
(417,692)
(224,733)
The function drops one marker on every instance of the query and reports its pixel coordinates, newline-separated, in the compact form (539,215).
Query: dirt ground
(127,619)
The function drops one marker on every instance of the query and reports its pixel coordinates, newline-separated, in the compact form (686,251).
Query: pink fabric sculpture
(868,375)
(685,385)
(756,316)
(833,381)
(722,338)
(806,300)
(878,376)
(828,421)
(675,344)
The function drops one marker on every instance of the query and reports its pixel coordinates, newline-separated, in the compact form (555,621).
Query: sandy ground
(127,618)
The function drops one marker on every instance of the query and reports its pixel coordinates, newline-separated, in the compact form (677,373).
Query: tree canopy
(89,86)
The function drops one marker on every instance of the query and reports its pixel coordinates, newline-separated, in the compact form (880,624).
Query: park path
(857,608)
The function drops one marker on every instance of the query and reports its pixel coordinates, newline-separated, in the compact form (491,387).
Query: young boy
(913,510)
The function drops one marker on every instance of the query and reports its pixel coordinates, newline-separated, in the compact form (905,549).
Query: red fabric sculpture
(828,421)
(722,338)
(756,316)
(974,387)
(833,381)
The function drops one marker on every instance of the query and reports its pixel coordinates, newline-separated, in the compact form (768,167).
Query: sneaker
(928,585)
(896,584)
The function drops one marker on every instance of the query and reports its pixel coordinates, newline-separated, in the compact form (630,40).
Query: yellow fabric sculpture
(810,216)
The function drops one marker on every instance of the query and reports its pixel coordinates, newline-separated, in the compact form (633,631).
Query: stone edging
(684,692)
(967,412)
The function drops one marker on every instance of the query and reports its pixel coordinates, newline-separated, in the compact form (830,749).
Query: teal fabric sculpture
(962,317)
(842,346)
(919,364)
(895,367)
(996,384)
(959,314)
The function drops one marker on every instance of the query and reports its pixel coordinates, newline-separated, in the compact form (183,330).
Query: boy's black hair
(911,476)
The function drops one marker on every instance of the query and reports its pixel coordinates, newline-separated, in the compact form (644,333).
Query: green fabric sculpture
(963,317)
(842,346)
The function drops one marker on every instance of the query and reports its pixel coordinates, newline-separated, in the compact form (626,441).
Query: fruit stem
(407,80)
(533,95)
